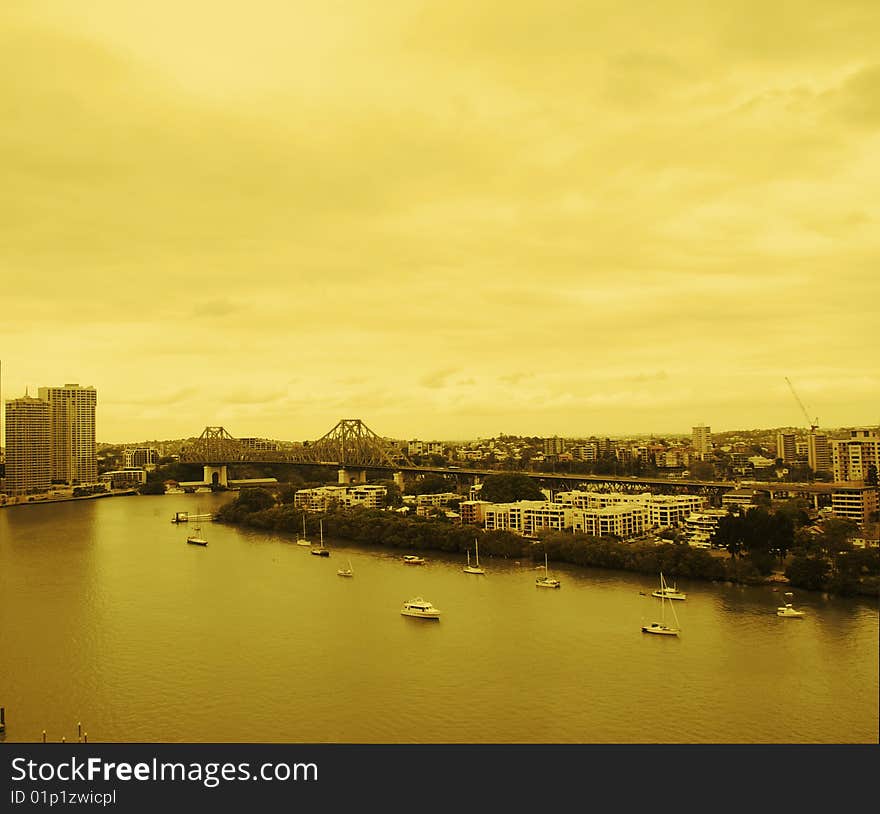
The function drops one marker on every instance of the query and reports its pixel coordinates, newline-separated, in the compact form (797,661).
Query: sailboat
(195,538)
(788,610)
(303,541)
(547,581)
(661,628)
(346,572)
(321,551)
(474,569)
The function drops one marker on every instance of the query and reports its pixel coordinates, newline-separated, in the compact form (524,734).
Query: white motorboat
(547,581)
(661,628)
(412,559)
(474,569)
(788,610)
(669,593)
(346,572)
(420,609)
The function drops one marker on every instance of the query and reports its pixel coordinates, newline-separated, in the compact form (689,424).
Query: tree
(287,494)
(254,500)
(508,488)
(430,485)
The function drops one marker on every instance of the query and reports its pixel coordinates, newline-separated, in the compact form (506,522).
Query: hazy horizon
(447,219)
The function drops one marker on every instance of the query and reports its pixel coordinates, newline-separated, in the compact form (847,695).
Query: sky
(449,219)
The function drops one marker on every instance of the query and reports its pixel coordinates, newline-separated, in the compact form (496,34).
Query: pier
(185,517)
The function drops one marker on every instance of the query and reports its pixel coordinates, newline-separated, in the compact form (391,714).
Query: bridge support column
(348,477)
(399,481)
(215,475)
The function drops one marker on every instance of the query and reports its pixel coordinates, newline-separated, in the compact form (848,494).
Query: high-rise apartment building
(554,446)
(72,449)
(27,446)
(818,452)
(854,458)
(786,447)
(702,441)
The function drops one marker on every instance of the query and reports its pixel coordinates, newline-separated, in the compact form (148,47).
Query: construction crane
(814,423)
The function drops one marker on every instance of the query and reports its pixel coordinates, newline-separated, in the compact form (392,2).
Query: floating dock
(185,517)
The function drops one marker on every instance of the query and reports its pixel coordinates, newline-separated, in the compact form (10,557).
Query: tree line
(756,540)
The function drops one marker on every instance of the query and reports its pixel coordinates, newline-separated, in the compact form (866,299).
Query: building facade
(73,455)
(27,446)
(702,441)
(818,452)
(857,457)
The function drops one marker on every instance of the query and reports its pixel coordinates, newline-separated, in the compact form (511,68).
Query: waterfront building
(672,510)
(473,512)
(624,521)
(27,446)
(854,458)
(139,457)
(321,498)
(700,527)
(124,478)
(73,455)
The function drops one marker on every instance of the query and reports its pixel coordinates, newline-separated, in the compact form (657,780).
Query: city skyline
(448,221)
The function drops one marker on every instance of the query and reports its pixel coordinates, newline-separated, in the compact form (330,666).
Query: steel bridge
(351,446)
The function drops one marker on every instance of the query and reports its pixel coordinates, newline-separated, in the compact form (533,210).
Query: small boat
(547,581)
(787,609)
(661,628)
(420,609)
(321,551)
(180,517)
(346,572)
(669,593)
(303,541)
(474,569)
(195,539)
(412,559)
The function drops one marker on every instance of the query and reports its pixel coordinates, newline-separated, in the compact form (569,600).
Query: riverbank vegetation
(824,561)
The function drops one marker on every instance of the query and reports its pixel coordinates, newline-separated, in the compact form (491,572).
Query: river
(109,619)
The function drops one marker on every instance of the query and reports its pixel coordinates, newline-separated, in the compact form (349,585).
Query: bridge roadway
(569,480)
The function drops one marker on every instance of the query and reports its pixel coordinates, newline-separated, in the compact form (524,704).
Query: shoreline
(66,499)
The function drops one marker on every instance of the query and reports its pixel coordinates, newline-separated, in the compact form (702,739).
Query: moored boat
(420,609)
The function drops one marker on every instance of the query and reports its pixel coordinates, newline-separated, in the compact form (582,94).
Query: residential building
(786,447)
(702,441)
(746,498)
(853,458)
(72,450)
(473,512)
(700,527)
(27,446)
(624,520)
(124,478)
(818,452)
(320,499)
(553,446)
(140,457)
(858,503)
